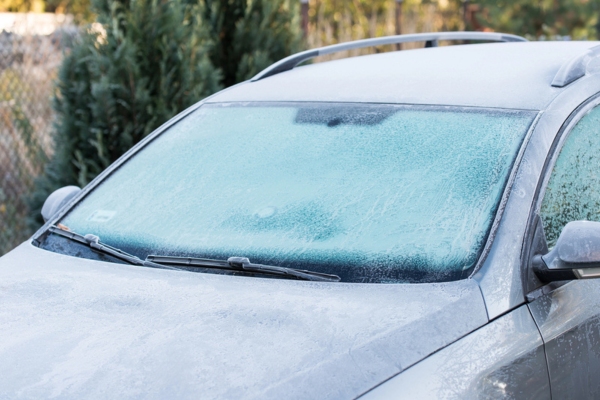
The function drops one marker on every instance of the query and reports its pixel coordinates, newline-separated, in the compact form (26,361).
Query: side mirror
(575,256)
(57,200)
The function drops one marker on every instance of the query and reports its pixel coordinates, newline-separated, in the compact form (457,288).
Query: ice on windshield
(370,192)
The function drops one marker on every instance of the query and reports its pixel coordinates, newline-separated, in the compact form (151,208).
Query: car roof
(503,75)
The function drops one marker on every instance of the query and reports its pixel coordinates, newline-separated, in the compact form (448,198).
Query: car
(409,224)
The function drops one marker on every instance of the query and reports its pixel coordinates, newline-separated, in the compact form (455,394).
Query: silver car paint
(569,321)
(504,75)
(77,328)
(503,360)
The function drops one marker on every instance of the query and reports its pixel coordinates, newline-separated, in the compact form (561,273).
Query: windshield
(372,193)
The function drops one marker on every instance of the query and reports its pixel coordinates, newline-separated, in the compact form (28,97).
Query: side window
(573,191)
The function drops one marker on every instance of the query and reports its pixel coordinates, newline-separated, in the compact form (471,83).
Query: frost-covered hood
(75,328)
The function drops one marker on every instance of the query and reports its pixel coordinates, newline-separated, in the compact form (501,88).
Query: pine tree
(149,62)
(250,35)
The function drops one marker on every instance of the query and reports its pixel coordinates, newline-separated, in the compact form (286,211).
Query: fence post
(399,21)
(304,13)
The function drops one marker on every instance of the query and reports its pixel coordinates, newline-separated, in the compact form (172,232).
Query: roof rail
(575,68)
(431,40)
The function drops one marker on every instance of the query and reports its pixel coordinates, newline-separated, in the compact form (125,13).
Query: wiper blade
(232,263)
(243,264)
(94,242)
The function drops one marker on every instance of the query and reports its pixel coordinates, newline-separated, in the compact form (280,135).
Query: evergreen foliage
(538,18)
(250,35)
(117,86)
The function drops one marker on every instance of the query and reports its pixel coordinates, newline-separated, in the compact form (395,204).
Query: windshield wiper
(243,264)
(94,242)
(232,263)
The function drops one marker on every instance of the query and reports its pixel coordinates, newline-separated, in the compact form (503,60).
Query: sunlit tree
(542,18)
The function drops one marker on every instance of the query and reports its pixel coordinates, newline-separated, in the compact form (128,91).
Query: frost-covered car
(412,224)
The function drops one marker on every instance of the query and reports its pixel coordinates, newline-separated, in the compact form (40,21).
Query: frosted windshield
(373,193)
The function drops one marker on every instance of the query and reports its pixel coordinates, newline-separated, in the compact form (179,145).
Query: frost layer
(370,192)
(573,190)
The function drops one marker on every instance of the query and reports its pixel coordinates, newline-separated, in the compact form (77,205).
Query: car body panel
(506,75)
(569,321)
(503,360)
(73,327)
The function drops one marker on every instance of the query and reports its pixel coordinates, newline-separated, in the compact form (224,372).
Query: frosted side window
(573,192)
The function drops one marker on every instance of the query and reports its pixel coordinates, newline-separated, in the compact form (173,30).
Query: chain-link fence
(30,53)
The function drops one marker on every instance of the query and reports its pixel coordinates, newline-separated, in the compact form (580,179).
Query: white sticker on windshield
(101,215)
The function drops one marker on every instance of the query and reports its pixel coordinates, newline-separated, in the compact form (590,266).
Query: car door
(568,313)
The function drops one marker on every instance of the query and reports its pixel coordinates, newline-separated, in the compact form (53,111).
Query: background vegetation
(340,18)
(578,19)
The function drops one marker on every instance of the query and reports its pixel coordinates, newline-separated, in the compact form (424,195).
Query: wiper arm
(232,263)
(94,242)
(243,264)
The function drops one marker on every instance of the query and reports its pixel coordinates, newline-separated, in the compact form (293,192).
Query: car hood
(79,328)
